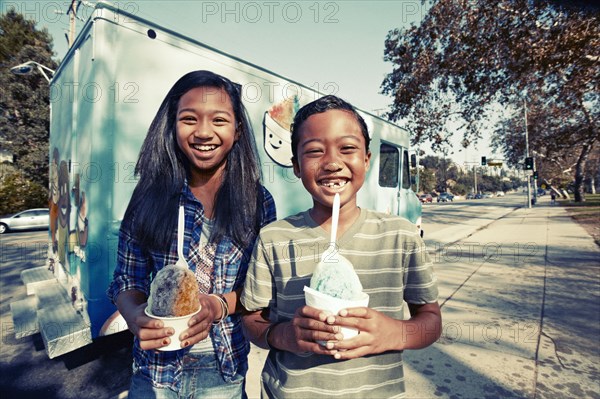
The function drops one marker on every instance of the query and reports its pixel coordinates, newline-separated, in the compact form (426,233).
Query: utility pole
(72,13)
(527,156)
(475,165)
(444,170)
(475,177)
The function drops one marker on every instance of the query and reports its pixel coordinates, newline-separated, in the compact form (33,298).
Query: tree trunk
(579,169)
(585,150)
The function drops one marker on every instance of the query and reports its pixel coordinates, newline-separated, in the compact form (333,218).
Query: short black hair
(321,105)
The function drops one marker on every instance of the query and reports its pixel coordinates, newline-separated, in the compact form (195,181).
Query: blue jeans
(201,379)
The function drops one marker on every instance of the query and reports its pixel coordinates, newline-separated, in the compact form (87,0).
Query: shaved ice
(174,292)
(335,276)
(335,286)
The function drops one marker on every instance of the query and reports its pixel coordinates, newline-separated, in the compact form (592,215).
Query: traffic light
(483,161)
(529,163)
(535,174)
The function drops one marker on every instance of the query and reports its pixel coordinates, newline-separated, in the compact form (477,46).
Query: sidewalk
(521,308)
(520,303)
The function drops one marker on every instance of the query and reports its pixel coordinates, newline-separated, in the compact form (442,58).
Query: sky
(336,47)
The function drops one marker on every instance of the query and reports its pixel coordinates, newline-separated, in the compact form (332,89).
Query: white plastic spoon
(181,262)
(330,254)
(335,217)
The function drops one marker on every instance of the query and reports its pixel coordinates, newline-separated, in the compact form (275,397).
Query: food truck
(103,97)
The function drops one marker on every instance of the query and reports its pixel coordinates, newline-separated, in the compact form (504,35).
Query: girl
(199,153)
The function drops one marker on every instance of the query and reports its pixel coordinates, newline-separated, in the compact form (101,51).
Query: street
(519,292)
(437,217)
(101,370)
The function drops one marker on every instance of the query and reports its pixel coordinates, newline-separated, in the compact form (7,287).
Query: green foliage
(460,181)
(427,181)
(487,184)
(24,99)
(508,185)
(461,189)
(17,193)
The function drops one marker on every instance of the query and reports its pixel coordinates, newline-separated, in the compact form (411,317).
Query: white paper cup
(332,305)
(179,324)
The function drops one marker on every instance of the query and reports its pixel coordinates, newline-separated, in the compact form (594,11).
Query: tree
(436,171)
(24,103)
(468,58)
(444,169)
(19,193)
(427,180)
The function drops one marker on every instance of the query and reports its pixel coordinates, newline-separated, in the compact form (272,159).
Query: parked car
(478,196)
(38,218)
(500,194)
(488,195)
(425,198)
(470,196)
(445,197)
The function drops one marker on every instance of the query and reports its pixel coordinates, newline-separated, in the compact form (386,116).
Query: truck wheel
(3,228)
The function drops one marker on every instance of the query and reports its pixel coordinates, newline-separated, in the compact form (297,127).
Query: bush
(460,189)
(18,193)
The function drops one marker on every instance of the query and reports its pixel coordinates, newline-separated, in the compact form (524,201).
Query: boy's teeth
(332,184)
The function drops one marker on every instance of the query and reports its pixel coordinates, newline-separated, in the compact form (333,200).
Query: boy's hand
(380,333)
(302,334)
(376,332)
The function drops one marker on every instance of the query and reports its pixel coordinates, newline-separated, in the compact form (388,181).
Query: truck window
(405,171)
(389,165)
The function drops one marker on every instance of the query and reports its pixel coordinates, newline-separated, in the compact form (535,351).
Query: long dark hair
(162,169)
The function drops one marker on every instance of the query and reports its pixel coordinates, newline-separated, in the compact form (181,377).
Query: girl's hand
(151,333)
(210,311)
(201,323)
(303,332)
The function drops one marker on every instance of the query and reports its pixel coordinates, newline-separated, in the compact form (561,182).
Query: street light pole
(527,155)
(445,168)
(475,165)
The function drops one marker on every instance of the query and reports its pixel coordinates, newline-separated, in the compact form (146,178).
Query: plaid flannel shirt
(134,269)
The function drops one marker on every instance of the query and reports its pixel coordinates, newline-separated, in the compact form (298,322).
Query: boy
(330,146)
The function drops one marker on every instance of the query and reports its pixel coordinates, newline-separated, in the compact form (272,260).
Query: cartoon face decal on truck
(53,202)
(81,223)
(68,236)
(64,211)
(277,122)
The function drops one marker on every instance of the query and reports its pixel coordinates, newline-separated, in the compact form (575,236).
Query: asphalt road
(100,370)
(103,369)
